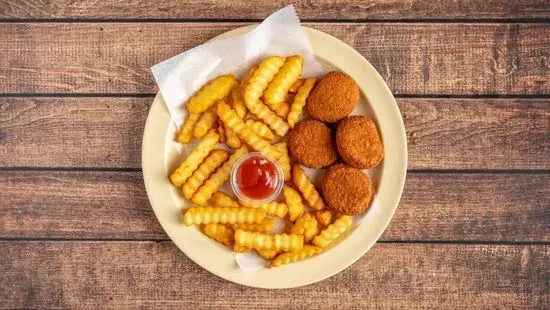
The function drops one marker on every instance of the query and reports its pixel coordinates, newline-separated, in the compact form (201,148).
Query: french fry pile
(253,114)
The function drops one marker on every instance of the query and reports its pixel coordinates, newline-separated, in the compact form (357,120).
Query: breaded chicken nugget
(358,142)
(311,143)
(334,97)
(346,190)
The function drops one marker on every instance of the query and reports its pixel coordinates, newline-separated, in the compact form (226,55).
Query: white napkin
(181,76)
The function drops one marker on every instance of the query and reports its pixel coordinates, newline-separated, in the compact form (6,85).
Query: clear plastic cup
(278,188)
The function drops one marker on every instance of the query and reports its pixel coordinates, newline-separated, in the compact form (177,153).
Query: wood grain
(442,133)
(240,9)
(415,59)
(147,274)
(434,207)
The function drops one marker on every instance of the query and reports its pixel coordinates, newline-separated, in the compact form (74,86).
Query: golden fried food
(194,159)
(209,94)
(248,76)
(290,257)
(278,88)
(221,130)
(300,101)
(334,97)
(263,241)
(305,225)
(324,217)
(266,225)
(359,143)
(221,199)
(284,160)
(293,200)
(205,169)
(237,102)
(186,134)
(312,145)
(295,86)
(282,110)
(255,88)
(216,180)
(207,215)
(205,123)
(233,122)
(240,249)
(231,139)
(306,188)
(265,73)
(333,231)
(272,208)
(261,129)
(347,190)
(220,233)
(268,254)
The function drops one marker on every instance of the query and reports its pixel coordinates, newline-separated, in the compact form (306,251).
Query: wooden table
(472,79)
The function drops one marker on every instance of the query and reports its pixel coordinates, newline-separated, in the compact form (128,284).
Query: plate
(159,159)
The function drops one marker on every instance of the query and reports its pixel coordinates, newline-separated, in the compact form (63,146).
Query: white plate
(159,159)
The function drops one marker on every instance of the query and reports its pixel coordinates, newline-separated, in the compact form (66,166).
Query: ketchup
(256,177)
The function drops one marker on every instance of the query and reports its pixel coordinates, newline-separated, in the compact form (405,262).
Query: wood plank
(147,274)
(442,133)
(434,207)
(240,9)
(416,59)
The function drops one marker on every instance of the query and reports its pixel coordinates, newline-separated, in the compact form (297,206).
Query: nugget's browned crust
(334,97)
(346,190)
(359,143)
(311,143)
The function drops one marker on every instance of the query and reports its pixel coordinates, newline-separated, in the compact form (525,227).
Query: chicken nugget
(346,190)
(311,143)
(334,97)
(358,142)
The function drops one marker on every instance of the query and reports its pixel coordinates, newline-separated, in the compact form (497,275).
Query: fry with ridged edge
(305,225)
(237,101)
(304,185)
(220,233)
(186,134)
(207,215)
(261,129)
(221,199)
(284,160)
(205,169)
(231,139)
(209,94)
(300,101)
(293,200)
(333,231)
(263,241)
(324,217)
(272,208)
(221,130)
(205,123)
(278,88)
(290,257)
(268,254)
(192,162)
(270,118)
(216,179)
(255,88)
(282,110)
(248,76)
(232,121)
(266,225)
(295,86)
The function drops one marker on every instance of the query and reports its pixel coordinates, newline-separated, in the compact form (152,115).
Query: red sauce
(257,177)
